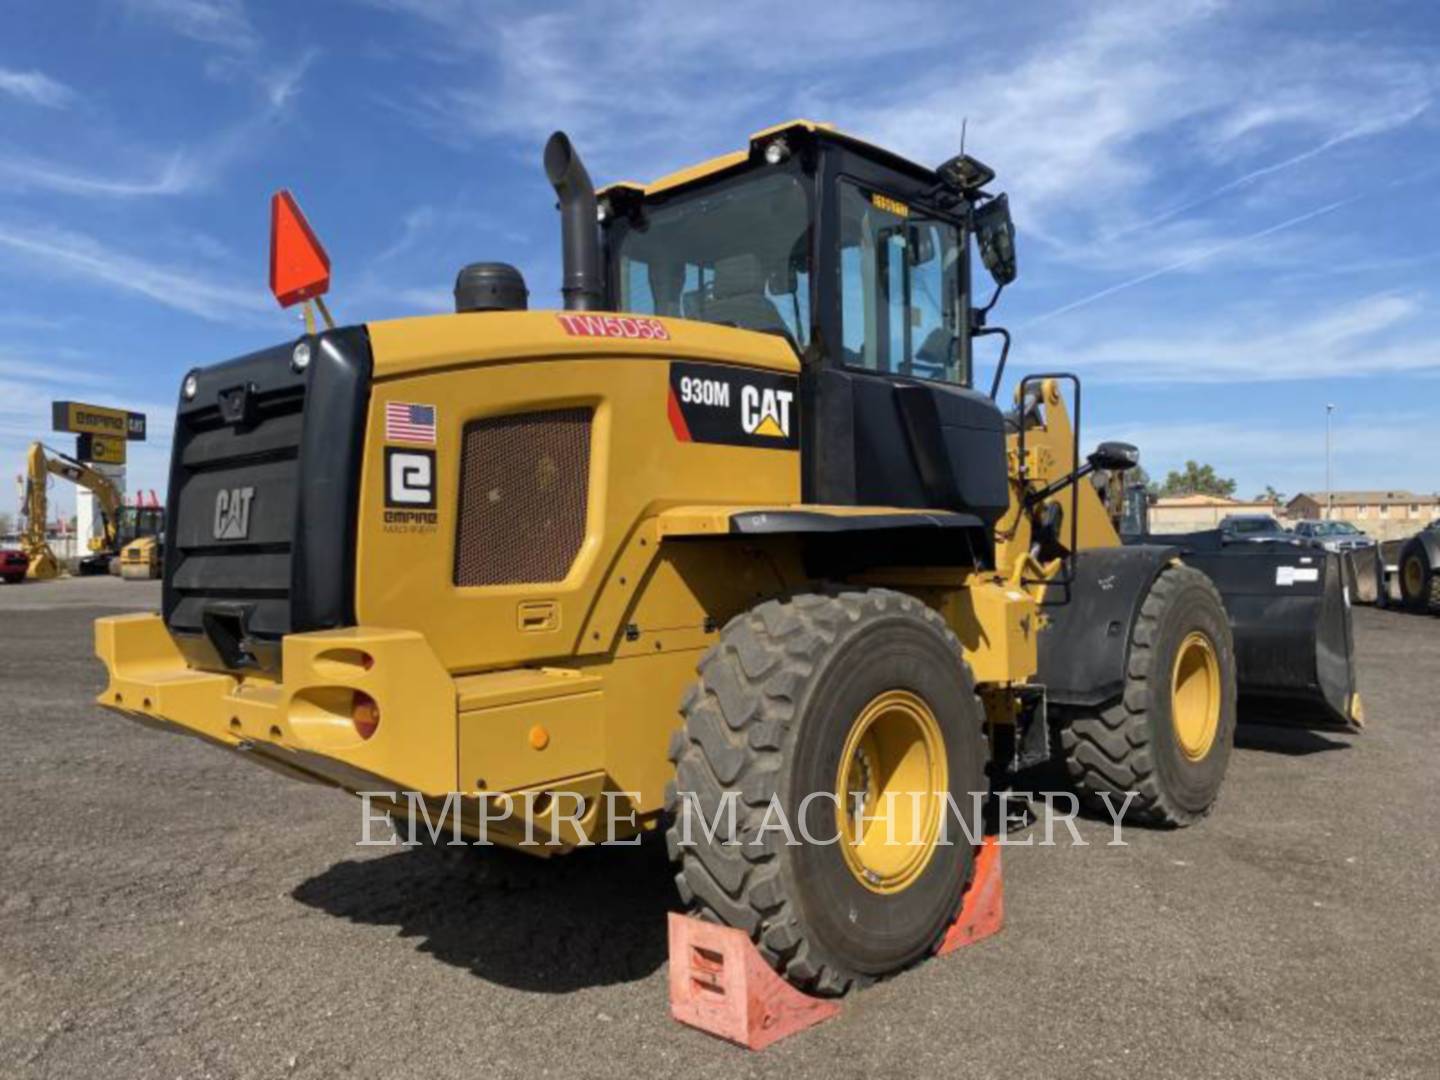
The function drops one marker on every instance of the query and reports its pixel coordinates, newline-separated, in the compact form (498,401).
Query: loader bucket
(1364,574)
(1289,610)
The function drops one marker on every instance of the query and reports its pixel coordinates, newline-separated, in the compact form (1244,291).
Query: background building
(1193,513)
(1385,515)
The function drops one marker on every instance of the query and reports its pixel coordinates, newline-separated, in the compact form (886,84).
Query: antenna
(964,123)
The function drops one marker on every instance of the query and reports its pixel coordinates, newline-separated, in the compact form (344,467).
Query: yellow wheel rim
(1414,576)
(1195,696)
(893,765)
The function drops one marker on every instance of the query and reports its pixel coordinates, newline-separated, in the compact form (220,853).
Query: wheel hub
(1195,696)
(890,787)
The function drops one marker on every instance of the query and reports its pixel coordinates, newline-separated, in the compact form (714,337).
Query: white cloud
(1241,243)
(180,172)
(173,175)
(1073,114)
(1387,333)
(414,225)
(1368,451)
(283,83)
(1378,125)
(644,88)
(36,88)
(1076,124)
(57,251)
(214,22)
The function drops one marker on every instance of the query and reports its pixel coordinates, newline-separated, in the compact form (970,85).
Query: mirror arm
(985,331)
(1054,488)
(977,315)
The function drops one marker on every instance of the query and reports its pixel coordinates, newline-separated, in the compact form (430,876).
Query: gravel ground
(168,911)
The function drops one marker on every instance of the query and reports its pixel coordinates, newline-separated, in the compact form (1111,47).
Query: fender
(845,539)
(1086,636)
(1428,540)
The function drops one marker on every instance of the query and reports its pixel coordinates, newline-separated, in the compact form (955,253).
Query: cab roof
(716,165)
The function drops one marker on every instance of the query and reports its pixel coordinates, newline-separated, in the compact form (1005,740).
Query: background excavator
(129,533)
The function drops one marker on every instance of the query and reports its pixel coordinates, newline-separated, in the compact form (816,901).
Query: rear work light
(364,714)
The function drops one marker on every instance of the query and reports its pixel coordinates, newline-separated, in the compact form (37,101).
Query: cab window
(738,255)
(899,288)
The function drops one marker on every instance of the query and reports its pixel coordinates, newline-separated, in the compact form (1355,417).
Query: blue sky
(1228,213)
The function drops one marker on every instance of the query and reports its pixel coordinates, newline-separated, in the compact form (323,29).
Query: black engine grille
(264,475)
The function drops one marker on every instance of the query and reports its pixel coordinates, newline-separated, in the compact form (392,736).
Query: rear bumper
(530,738)
(301,724)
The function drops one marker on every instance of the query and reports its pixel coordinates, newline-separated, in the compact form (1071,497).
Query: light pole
(1329,494)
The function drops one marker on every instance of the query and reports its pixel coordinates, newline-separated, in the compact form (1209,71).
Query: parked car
(13,565)
(1333,535)
(1254,529)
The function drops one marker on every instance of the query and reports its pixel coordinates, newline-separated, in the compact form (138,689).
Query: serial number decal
(711,403)
(631,327)
(889,205)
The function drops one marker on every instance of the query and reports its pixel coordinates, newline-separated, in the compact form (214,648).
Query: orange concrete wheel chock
(720,984)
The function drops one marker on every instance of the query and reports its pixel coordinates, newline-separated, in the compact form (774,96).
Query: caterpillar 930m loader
(732,528)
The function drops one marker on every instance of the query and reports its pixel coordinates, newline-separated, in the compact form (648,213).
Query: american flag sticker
(409,423)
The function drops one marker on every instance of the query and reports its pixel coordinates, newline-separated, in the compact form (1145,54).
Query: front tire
(803,705)
(1168,738)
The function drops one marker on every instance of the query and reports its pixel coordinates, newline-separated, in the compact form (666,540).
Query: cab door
(897,422)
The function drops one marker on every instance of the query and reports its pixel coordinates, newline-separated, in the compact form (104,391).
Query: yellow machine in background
(734,528)
(122,527)
(140,560)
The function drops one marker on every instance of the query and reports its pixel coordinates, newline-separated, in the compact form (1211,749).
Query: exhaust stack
(579,230)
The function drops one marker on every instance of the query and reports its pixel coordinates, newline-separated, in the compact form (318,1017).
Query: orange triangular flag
(299,267)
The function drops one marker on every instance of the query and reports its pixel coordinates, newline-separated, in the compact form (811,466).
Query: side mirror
(995,233)
(965,173)
(1114,457)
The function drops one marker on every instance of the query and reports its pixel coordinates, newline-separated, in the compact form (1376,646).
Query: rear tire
(1419,582)
(783,701)
(1168,737)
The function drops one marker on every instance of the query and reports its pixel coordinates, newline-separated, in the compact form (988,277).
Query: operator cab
(138,521)
(860,259)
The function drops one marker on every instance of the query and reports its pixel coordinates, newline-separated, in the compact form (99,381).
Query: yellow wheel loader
(729,546)
(140,537)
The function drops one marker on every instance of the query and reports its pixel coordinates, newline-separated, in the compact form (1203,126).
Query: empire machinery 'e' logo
(410,491)
(410,479)
(232,513)
(711,403)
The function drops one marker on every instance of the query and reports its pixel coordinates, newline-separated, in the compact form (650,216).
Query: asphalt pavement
(168,910)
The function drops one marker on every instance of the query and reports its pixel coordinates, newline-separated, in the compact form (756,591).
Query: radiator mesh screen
(524,483)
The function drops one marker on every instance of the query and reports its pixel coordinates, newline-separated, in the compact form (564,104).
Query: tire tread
(1108,751)
(737,716)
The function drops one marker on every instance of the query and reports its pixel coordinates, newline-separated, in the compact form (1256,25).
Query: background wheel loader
(1419,571)
(731,532)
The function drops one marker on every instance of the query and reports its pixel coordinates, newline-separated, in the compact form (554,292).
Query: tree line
(1198,479)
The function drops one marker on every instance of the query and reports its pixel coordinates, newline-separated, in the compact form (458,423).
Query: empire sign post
(102,435)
